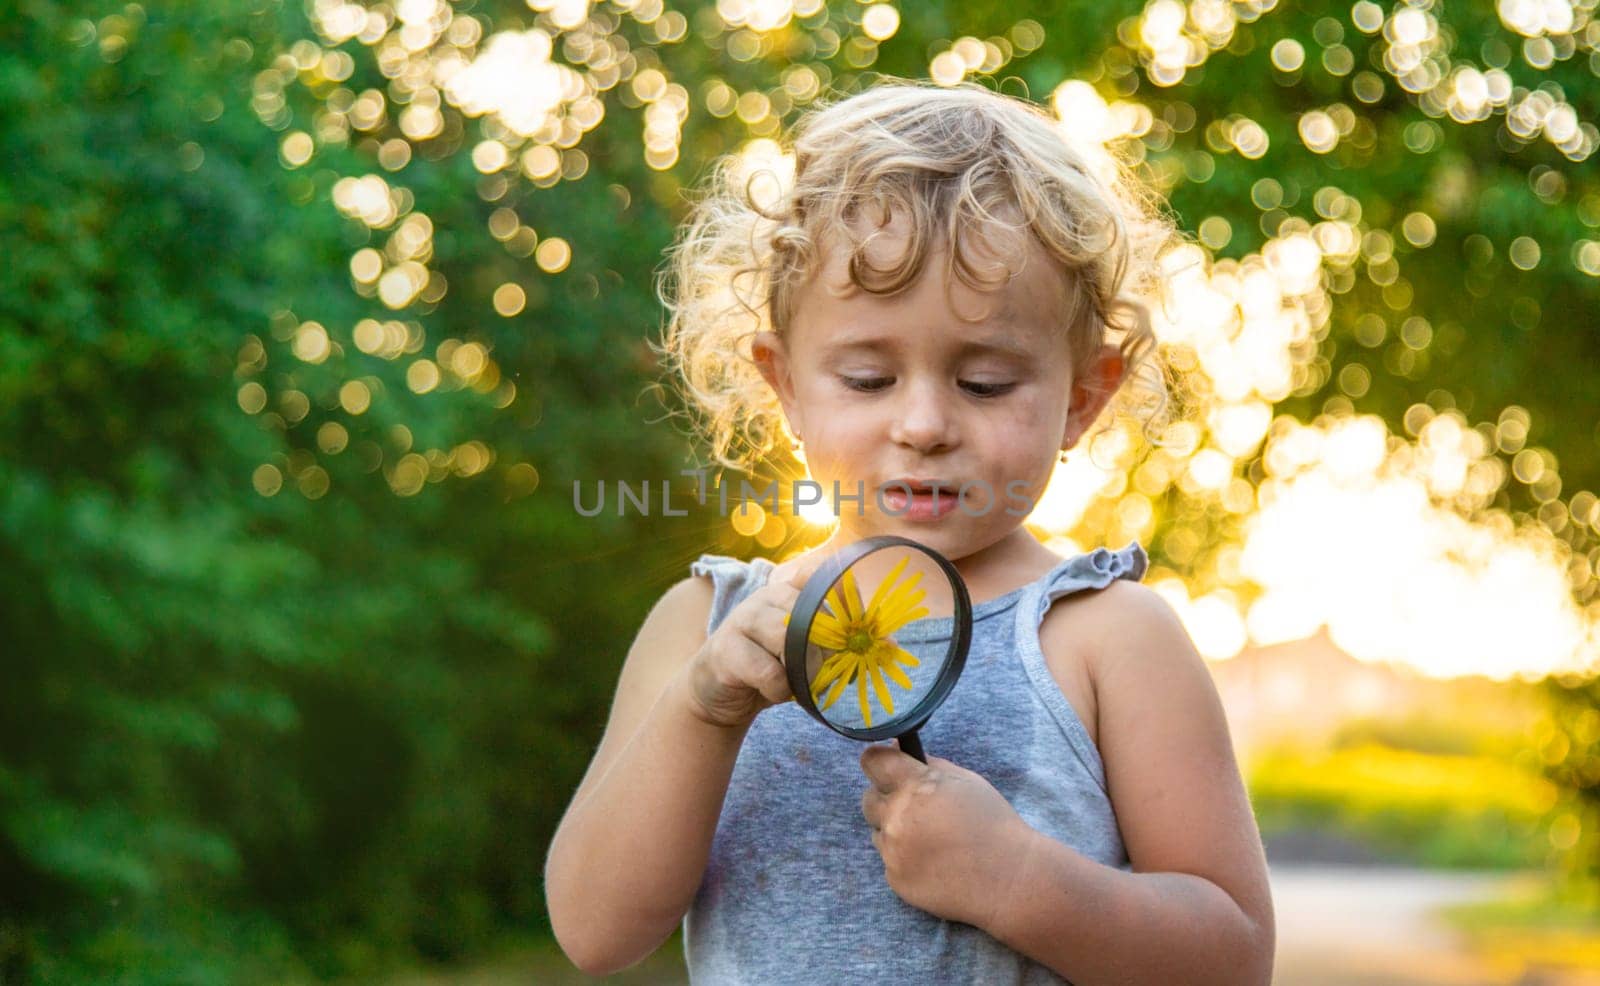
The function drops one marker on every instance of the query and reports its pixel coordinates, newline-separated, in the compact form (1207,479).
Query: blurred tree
(1568,747)
(260,713)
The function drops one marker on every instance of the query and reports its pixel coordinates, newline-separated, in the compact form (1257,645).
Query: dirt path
(1375,926)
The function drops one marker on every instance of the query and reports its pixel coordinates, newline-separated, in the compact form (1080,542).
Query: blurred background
(312,312)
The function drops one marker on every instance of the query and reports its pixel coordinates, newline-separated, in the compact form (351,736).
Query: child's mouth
(921,503)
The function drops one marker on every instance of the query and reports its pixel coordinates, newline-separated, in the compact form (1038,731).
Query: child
(927,301)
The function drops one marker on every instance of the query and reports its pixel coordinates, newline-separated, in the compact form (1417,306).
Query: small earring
(1062,457)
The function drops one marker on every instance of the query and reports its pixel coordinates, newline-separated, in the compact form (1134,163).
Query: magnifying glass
(877,638)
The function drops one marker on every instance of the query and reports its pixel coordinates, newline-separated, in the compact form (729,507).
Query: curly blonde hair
(953,159)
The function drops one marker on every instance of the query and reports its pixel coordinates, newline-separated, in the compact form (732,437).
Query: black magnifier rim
(796,641)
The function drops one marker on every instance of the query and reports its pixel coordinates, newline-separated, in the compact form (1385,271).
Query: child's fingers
(888,767)
(757,669)
(768,626)
(872,802)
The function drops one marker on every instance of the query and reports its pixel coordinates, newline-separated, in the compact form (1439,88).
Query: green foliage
(1447,732)
(248,733)
(1433,809)
(1546,924)
(1494,327)
(1569,748)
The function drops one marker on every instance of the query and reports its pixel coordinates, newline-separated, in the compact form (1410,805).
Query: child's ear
(1091,391)
(771,357)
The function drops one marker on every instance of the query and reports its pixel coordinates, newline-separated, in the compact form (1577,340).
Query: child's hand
(950,842)
(739,671)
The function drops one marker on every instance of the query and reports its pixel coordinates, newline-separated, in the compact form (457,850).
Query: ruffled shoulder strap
(1092,570)
(731,580)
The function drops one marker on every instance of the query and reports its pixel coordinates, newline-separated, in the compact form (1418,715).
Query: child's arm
(631,849)
(1198,906)
(1196,909)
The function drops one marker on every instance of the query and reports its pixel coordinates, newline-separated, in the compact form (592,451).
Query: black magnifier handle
(911,743)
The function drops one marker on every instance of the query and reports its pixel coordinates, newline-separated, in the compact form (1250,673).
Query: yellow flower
(861,639)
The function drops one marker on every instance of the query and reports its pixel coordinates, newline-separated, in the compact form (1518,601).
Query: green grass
(1545,924)
(1434,809)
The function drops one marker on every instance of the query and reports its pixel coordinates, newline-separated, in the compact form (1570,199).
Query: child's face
(887,388)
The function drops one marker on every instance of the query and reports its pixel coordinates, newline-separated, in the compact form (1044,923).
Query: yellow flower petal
(827,619)
(828,636)
(887,585)
(904,656)
(833,696)
(851,594)
(902,590)
(831,668)
(906,587)
(913,616)
(843,625)
(835,605)
(892,669)
(898,612)
(878,687)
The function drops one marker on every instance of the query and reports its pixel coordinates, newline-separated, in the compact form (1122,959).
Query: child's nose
(924,418)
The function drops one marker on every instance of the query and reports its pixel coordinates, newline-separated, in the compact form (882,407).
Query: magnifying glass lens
(881,640)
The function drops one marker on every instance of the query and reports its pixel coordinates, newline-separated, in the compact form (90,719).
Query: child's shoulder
(1104,622)
(684,606)
(1119,606)
(1125,642)
(1092,588)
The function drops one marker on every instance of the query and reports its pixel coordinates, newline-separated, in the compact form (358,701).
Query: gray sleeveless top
(794,891)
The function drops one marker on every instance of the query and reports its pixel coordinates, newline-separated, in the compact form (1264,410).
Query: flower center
(858,641)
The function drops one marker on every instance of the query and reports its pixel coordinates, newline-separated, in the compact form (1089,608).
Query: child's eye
(978,389)
(867,385)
